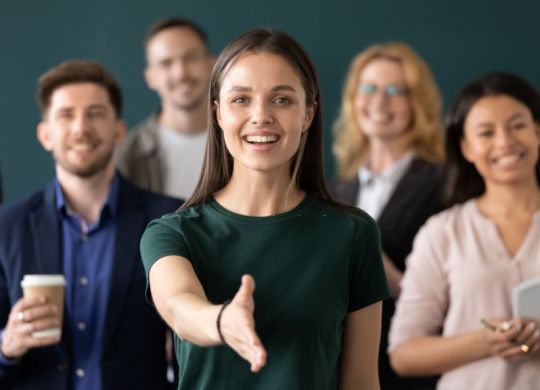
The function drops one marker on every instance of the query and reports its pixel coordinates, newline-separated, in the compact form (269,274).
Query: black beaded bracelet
(218,321)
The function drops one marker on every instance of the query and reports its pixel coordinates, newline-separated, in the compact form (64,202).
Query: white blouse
(458,272)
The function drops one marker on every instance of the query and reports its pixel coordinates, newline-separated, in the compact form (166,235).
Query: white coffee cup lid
(43,280)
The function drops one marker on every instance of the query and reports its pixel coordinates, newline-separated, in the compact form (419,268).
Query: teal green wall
(459,39)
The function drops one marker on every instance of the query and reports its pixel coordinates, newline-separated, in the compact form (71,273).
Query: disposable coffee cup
(52,287)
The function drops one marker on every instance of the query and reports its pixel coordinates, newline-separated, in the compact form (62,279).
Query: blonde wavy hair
(351,146)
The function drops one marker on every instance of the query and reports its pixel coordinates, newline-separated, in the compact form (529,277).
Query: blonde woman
(388,143)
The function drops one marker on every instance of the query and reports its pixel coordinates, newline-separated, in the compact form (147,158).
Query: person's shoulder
(343,213)
(451,218)
(140,137)
(158,203)
(178,219)
(161,200)
(428,171)
(15,213)
(344,190)
(148,124)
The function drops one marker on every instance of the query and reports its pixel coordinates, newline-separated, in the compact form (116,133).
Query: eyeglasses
(391,90)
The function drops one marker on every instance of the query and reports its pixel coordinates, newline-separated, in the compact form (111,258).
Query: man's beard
(194,105)
(87,170)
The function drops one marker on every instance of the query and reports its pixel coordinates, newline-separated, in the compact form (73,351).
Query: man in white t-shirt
(164,153)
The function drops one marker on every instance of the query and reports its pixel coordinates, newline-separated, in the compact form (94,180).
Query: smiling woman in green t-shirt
(261,212)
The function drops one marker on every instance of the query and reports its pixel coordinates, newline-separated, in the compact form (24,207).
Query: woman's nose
(261,114)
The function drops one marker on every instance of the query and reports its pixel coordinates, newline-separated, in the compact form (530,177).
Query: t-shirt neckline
(294,212)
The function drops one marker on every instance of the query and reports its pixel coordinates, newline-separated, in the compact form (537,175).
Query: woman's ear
(465,150)
(310,114)
(215,107)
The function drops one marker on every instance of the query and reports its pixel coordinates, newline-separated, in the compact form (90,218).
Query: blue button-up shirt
(88,250)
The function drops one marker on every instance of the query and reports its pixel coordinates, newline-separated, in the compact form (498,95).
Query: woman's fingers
(258,357)
(250,347)
(244,295)
(525,340)
(240,326)
(529,337)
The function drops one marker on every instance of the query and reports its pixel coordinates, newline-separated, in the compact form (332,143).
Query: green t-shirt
(312,266)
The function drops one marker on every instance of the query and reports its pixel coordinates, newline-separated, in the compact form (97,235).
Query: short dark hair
(462,180)
(165,24)
(77,71)
(307,170)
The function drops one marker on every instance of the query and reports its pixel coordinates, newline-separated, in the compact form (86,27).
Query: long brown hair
(425,134)
(307,170)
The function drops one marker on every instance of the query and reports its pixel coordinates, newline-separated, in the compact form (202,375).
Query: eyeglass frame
(390,91)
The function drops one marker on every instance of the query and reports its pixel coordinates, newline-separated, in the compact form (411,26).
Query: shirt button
(83,280)
(81,325)
(79,372)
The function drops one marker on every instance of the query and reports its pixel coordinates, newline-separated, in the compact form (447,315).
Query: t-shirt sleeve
(163,237)
(367,278)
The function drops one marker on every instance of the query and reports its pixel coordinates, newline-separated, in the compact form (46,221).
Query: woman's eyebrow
(239,88)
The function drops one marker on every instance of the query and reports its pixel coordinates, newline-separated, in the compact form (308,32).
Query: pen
(489,325)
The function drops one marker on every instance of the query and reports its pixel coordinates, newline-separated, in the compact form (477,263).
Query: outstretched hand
(238,326)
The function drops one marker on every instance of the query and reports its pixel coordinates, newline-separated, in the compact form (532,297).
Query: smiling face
(262,112)
(382,107)
(501,139)
(178,68)
(81,129)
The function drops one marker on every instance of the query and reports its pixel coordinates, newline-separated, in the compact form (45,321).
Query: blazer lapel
(45,228)
(406,189)
(46,241)
(130,223)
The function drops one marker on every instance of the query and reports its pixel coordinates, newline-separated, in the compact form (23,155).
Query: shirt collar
(111,203)
(391,174)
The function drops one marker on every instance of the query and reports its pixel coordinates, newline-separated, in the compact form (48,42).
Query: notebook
(526,298)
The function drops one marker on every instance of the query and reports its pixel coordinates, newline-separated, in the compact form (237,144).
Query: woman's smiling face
(262,112)
(382,105)
(501,139)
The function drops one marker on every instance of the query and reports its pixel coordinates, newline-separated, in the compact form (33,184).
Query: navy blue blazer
(134,336)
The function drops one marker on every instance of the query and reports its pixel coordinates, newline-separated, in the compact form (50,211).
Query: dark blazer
(416,197)
(134,335)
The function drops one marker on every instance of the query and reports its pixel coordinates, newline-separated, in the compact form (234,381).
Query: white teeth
(507,160)
(380,117)
(81,147)
(259,139)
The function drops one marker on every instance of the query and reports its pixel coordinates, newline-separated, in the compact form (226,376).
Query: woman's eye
(519,126)
(240,100)
(486,133)
(282,100)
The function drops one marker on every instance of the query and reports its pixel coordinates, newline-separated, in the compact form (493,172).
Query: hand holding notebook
(526,299)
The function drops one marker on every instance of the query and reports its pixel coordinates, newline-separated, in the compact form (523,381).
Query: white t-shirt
(183,155)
